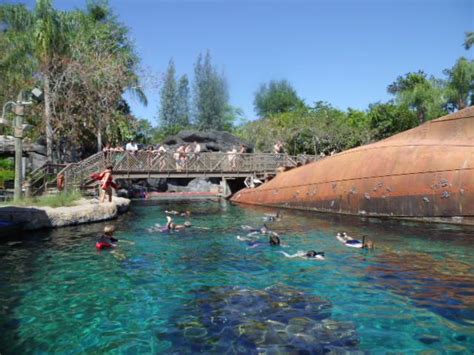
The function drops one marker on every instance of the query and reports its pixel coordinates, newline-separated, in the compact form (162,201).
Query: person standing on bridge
(278,148)
(232,156)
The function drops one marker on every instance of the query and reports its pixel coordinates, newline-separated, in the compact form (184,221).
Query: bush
(62,199)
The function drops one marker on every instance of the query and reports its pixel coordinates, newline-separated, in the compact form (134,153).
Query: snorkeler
(182,214)
(355,243)
(274,239)
(171,226)
(310,254)
(269,217)
(106,240)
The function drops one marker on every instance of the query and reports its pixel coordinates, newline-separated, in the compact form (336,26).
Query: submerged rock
(244,320)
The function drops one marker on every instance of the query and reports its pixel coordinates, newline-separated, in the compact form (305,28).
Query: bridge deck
(150,164)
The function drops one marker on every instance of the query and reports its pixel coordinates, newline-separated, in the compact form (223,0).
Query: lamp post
(18,129)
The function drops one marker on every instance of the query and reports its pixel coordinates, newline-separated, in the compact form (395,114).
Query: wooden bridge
(151,164)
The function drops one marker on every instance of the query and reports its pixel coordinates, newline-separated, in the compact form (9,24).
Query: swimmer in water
(310,254)
(106,240)
(272,217)
(171,226)
(274,240)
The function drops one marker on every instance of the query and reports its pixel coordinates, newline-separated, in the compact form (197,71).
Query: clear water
(413,292)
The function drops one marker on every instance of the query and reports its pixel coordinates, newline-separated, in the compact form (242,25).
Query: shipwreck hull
(424,173)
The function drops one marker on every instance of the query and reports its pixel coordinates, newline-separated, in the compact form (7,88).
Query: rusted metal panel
(427,171)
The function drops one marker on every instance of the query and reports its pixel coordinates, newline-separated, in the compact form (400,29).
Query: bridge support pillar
(226,192)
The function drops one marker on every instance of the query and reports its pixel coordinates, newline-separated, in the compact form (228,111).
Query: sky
(340,51)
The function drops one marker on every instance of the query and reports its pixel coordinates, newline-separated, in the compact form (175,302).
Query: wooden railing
(155,164)
(44,176)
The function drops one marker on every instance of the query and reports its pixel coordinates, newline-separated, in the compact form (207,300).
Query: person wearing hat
(106,240)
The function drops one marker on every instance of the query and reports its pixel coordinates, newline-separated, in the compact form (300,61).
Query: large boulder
(195,185)
(214,141)
(83,211)
(34,152)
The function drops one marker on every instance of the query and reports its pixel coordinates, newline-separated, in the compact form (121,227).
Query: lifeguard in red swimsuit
(106,183)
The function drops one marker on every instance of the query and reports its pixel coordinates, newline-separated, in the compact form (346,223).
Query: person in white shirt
(197,148)
(131,147)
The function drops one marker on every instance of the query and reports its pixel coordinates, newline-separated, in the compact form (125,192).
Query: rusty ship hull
(423,173)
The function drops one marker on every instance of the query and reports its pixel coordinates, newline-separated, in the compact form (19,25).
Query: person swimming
(310,254)
(355,243)
(272,217)
(274,239)
(106,240)
(171,226)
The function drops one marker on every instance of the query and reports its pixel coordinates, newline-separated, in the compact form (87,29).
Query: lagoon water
(203,290)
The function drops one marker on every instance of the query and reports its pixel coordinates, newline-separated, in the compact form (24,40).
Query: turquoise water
(204,290)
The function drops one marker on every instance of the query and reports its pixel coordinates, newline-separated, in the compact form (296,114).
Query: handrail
(45,174)
(152,162)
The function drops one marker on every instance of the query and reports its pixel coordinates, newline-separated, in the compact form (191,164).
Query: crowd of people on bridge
(182,155)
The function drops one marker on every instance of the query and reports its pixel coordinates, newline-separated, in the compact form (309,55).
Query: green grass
(62,199)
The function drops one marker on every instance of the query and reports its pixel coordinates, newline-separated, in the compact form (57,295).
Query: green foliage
(84,61)
(210,95)
(7,170)
(182,102)
(460,84)
(387,119)
(423,95)
(63,199)
(168,97)
(276,97)
(313,130)
(144,132)
(469,41)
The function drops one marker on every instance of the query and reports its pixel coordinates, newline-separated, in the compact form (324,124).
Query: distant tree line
(208,108)
(321,128)
(84,62)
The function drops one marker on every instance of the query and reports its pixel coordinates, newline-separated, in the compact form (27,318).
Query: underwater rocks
(243,320)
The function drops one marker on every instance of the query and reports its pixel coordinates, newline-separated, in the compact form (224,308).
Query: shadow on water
(243,320)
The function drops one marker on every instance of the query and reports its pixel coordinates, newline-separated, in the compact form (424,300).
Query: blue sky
(340,51)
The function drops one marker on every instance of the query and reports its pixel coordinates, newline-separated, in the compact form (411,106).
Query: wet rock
(243,320)
(214,141)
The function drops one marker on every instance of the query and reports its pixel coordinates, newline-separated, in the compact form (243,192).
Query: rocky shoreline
(84,211)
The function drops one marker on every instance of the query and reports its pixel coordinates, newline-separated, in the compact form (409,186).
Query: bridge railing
(127,164)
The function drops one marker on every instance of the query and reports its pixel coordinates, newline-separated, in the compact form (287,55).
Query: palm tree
(460,84)
(469,41)
(83,59)
(39,37)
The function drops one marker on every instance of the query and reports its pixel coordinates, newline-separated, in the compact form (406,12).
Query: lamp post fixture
(18,130)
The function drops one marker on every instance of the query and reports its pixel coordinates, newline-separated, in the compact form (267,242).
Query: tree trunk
(47,118)
(99,136)
(461,104)
(421,116)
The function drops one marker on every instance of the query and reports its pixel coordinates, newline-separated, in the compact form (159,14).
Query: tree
(84,62)
(168,101)
(418,92)
(210,95)
(182,102)
(469,41)
(276,97)
(40,34)
(460,84)
(387,119)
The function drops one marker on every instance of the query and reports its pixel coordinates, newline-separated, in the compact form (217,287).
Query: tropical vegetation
(84,62)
